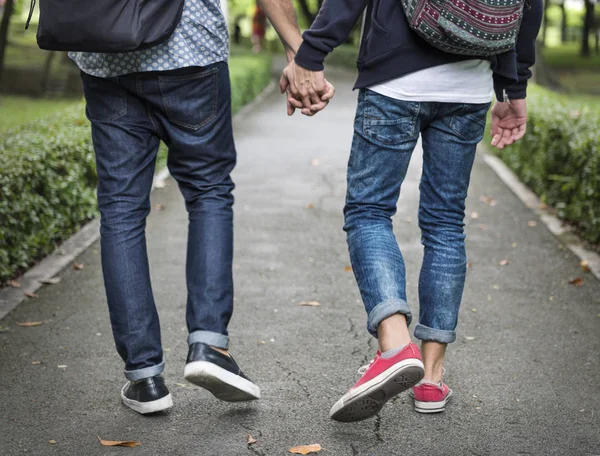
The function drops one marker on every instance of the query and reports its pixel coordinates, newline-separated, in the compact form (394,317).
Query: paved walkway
(525,367)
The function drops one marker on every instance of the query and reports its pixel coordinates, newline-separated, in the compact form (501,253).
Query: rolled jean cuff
(209,338)
(428,334)
(386,309)
(146,372)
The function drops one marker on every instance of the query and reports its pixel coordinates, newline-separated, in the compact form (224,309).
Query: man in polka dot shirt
(179,93)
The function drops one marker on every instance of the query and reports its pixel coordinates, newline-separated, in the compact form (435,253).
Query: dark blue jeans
(190,110)
(385,134)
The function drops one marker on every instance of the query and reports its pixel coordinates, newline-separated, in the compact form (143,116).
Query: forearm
(331,28)
(526,44)
(282,16)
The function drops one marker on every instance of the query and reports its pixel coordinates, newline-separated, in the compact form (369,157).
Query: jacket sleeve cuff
(517,91)
(310,57)
(514,91)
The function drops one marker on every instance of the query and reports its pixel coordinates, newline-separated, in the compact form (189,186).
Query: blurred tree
(588,25)
(4,25)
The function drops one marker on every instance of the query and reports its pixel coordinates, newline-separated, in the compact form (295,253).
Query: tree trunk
(306,12)
(545,29)
(47,71)
(588,23)
(4,25)
(563,23)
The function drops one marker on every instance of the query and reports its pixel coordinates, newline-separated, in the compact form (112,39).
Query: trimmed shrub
(48,175)
(559,158)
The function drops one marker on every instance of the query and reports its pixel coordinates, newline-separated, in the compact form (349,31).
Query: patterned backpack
(470,27)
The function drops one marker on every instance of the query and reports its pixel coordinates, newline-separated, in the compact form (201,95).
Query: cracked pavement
(525,381)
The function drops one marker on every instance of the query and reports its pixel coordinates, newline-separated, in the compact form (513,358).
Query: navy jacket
(390,48)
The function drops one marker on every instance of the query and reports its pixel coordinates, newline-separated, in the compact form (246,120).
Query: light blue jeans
(385,134)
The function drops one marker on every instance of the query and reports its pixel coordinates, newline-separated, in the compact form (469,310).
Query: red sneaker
(431,398)
(383,379)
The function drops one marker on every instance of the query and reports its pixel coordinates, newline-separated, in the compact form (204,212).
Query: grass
(18,110)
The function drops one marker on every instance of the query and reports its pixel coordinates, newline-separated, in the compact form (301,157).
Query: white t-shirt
(469,81)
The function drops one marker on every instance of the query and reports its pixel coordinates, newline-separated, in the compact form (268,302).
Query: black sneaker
(149,395)
(219,374)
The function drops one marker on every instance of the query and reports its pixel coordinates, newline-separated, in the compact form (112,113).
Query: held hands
(306,90)
(509,122)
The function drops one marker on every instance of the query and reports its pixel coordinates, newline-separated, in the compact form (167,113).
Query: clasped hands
(306,90)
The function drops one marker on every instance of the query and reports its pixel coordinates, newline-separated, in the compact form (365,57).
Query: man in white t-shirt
(408,89)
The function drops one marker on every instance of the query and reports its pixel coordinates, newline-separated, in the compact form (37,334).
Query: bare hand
(509,122)
(306,90)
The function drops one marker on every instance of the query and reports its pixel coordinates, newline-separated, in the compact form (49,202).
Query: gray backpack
(469,27)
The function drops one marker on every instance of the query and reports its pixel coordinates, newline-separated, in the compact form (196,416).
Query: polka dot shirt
(200,39)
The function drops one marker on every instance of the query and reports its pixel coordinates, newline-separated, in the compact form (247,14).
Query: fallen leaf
(407,220)
(36,363)
(578,281)
(62,366)
(78,266)
(51,281)
(473,309)
(483,226)
(159,207)
(514,245)
(503,262)
(469,264)
(496,286)
(3,329)
(315,162)
(348,269)
(127,443)
(310,206)
(532,223)
(14,284)
(262,342)
(306,449)
(309,303)
(585,265)
(488,200)
(474,215)
(31,294)
(52,442)
(28,324)
(543,206)
(469,338)
(251,440)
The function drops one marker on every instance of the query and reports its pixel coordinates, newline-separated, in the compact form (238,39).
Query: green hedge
(559,158)
(48,175)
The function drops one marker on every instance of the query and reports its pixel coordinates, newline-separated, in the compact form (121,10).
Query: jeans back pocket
(105,98)
(389,121)
(190,101)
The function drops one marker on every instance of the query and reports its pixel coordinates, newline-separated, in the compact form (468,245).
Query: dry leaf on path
(503,262)
(52,442)
(159,207)
(127,443)
(51,280)
(31,294)
(348,269)
(251,440)
(309,303)
(585,265)
(469,338)
(474,215)
(36,363)
(532,223)
(488,200)
(578,281)
(306,449)
(310,206)
(78,266)
(28,324)
(14,284)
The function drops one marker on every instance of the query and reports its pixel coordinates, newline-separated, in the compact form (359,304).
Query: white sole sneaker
(144,408)
(433,407)
(220,382)
(368,399)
